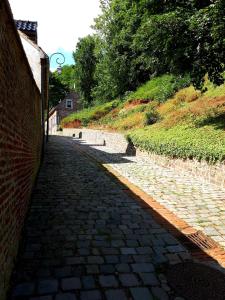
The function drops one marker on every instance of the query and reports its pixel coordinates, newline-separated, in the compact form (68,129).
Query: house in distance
(65,107)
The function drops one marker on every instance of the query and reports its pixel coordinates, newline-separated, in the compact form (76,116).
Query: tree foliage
(85,63)
(57,89)
(67,76)
(61,84)
(139,39)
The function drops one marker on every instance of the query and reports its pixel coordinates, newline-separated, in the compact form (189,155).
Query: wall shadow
(196,251)
(105,157)
(77,208)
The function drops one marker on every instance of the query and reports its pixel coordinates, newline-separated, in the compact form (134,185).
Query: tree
(67,76)
(105,87)
(207,27)
(116,27)
(138,39)
(85,64)
(162,42)
(57,89)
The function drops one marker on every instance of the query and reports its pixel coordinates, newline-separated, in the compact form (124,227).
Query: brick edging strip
(172,223)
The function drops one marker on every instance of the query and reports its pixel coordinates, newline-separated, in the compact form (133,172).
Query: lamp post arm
(60,60)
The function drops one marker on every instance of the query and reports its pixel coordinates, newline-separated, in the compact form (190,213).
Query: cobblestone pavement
(198,203)
(85,238)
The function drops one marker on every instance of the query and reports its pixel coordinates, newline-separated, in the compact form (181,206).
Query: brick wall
(20,141)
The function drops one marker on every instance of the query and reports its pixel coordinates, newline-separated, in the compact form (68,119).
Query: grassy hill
(166,116)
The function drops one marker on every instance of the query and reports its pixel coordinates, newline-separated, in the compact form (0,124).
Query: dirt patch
(132,103)
(73,124)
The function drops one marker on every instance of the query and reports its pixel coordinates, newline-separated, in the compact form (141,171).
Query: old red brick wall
(20,141)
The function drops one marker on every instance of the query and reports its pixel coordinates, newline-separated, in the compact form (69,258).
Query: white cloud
(60,23)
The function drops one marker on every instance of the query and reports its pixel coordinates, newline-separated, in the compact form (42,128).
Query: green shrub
(151,113)
(91,114)
(203,143)
(151,117)
(160,88)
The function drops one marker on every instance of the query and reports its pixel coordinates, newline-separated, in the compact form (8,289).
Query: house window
(69,103)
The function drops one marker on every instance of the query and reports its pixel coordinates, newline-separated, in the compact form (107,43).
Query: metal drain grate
(202,241)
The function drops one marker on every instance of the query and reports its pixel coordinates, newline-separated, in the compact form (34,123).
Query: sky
(60,23)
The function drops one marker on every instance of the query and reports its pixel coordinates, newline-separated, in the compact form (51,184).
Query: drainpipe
(44,98)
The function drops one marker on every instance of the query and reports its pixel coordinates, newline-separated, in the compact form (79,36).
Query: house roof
(26,25)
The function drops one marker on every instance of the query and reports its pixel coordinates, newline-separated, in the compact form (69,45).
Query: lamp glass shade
(59,70)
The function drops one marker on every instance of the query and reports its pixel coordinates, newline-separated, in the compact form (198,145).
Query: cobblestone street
(200,204)
(85,238)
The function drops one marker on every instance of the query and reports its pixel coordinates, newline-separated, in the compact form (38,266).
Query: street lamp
(60,60)
(59,70)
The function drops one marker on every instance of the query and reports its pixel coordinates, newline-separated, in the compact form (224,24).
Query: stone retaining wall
(210,173)
(115,141)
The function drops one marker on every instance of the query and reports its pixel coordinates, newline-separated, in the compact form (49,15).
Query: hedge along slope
(89,114)
(183,141)
(160,88)
(190,124)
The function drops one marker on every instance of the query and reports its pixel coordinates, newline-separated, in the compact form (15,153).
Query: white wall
(34,55)
(53,123)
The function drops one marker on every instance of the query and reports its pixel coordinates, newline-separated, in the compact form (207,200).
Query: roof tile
(26,25)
